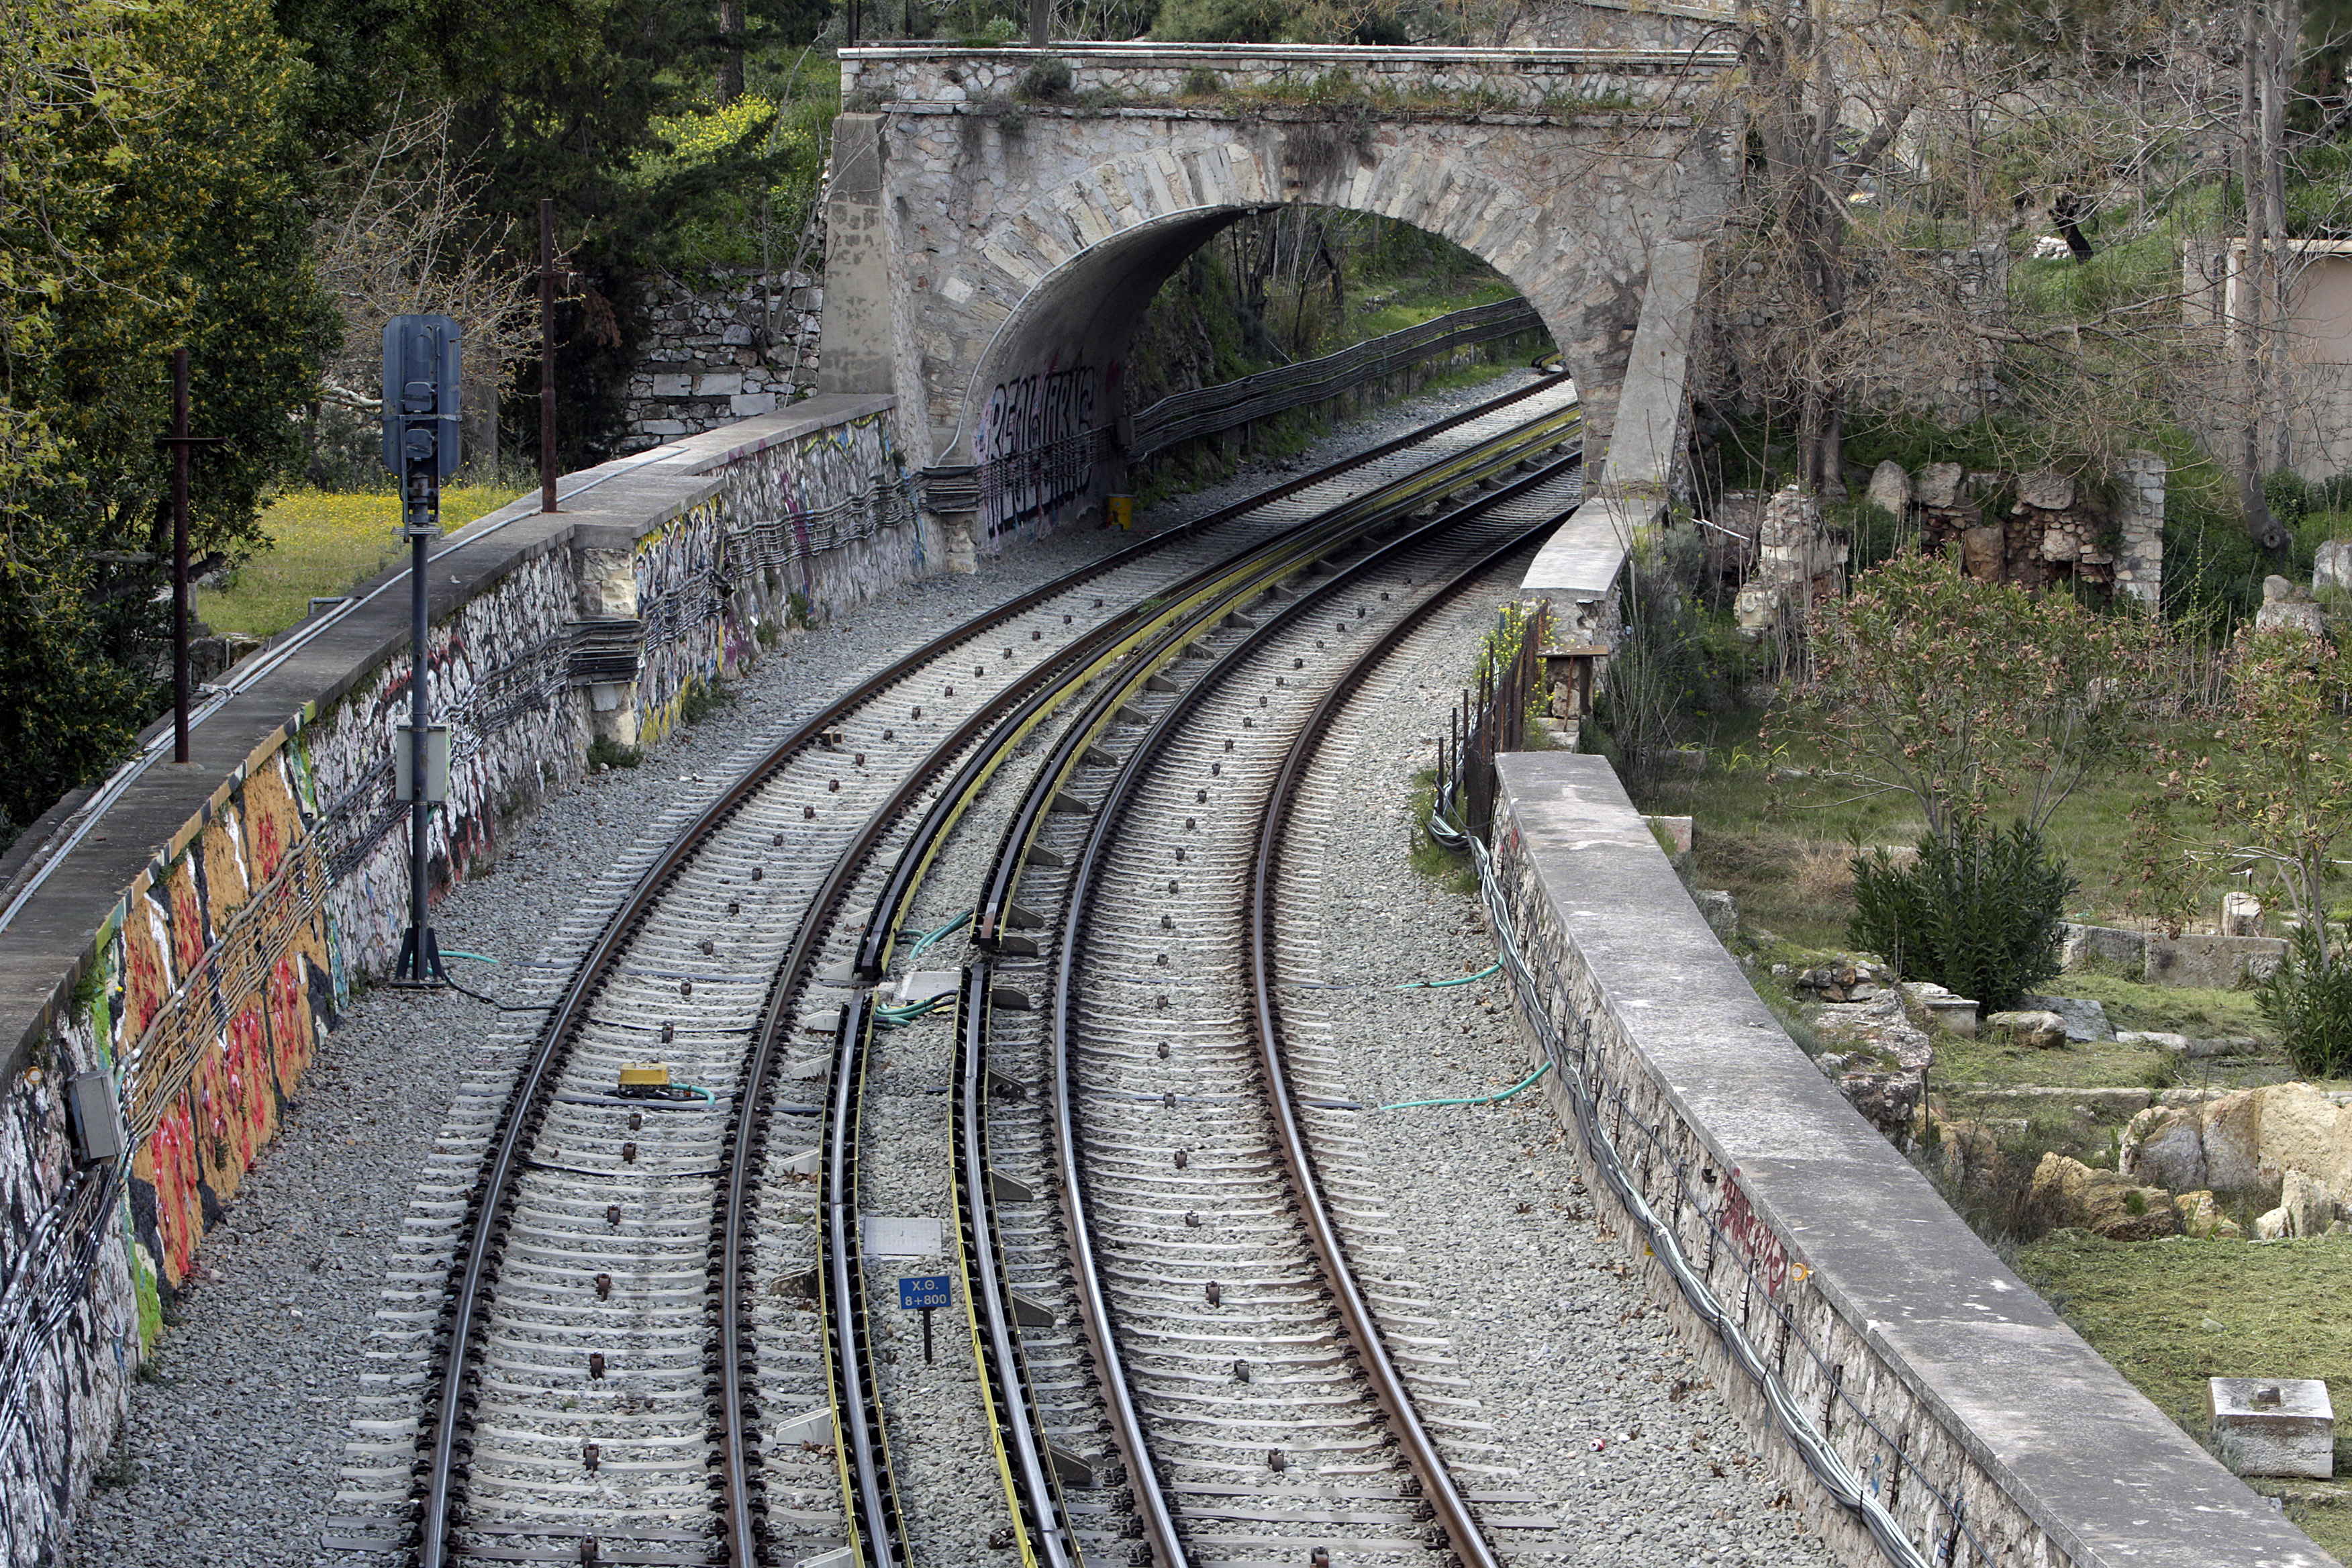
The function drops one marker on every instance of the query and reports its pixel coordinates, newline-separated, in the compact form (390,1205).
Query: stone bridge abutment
(990,257)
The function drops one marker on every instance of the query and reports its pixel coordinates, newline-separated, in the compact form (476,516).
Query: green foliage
(702,699)
(1047,82)
(1978,912)
(2272,788)
(151,200)
(1963,695)
(2308,1000)
(2287,496)
(603,752)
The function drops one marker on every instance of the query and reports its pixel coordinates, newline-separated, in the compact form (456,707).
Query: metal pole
(546,353)
(180,682)
(420,955)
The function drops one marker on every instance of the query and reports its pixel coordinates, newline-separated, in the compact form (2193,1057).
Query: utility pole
(179,441)
(421,369)
(546,353)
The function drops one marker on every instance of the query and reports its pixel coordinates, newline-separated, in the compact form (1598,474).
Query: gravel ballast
(236,1429)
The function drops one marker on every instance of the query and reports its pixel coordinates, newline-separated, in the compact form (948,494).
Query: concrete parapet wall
(1988,1430)
(198,940)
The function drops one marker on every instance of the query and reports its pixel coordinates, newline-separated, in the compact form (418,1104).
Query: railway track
(1262,1404)
(629,1323)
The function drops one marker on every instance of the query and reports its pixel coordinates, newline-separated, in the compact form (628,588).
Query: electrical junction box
(94,1113)
(436,763)
(421,368)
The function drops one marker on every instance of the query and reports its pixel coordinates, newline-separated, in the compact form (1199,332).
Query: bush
(2287,496)
(1047,82)
(2308,999)
(1977,913)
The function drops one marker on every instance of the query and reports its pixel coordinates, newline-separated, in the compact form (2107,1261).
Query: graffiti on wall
(684,608)
(798,512)
(1036,443)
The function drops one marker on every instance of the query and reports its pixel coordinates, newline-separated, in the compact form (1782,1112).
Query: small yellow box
(645,1074)
(1118,512)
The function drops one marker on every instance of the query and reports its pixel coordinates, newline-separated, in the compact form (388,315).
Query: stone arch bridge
(990,254)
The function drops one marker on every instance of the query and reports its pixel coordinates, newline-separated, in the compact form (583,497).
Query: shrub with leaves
(1977,913)
(1965,696)
(2308,1000)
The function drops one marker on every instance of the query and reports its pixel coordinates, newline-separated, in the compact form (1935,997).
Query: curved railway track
(1215,1328)
(652,1345)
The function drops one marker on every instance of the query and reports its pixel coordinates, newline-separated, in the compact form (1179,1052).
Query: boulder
(1890,488)
(2244,1139)
(2045,489)
(2271,1225)
(2308,1208)
(2290,615)
(2034,1030)
(2331,565)
(1939,484)
(1956,1014)
(2084,1019)
(1721,911)
(2102,1202)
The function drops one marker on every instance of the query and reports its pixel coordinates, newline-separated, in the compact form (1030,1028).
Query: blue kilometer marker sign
(921,1292)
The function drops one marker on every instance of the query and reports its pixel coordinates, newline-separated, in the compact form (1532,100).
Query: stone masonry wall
(1982,1423)
(206,988)
(734,349)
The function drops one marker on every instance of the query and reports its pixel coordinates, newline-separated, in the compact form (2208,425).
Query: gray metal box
(91,1110)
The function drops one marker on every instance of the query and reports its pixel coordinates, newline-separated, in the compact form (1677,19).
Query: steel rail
(1126,1423)
(1387,504)
(1453,1517)
(1030,1491)
(535,1082)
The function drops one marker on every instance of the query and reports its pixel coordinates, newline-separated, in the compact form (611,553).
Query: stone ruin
(1786,557)
(2049,534)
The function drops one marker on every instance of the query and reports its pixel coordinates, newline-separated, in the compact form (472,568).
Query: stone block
(1939,485)
(1956,1014)
(2273,1425)
(665,426)
(2331,565)
(718,383)
(2218,962)
(2046,489)
(2290,615)
(673,386)
(2309,1210)
(2241,915)
(736,336)
(1983,549)
(746,403)
(1676,829)
(2078,942)
(2102,1202)
(1890,488)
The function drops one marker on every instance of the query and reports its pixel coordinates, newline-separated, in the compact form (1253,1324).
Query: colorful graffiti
(1036,442)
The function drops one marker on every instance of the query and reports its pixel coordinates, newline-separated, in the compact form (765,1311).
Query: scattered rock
(2129,948)
(2244,1139)
(2036,1030)
(2083,1018)
(1890,1101)
(2103,1202)
(1721,910)
(2241,915)
(2272,1226)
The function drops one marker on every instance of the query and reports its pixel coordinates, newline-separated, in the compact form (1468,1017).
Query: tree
(149,201)
(2272,789)
(1965,696)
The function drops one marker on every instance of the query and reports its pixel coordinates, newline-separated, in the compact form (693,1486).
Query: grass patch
(606,752)
(322,544)
(1454,873)
(2169,1314)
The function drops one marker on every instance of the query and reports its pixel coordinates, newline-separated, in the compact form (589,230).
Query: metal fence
(1491,717)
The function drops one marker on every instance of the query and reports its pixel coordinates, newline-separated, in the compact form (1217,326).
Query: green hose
(1482,1100)
(923,942)
(477,957)
(1459,980)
